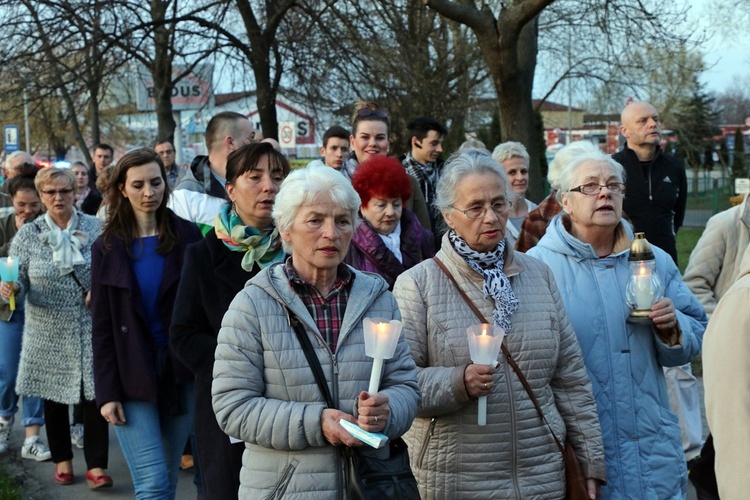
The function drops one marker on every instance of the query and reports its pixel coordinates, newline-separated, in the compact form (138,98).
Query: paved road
(38,480)
(39,484)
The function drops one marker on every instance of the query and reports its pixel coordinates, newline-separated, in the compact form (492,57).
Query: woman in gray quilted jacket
(264,392)
(514,455)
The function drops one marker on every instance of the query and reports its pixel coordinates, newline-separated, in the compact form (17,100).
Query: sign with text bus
(193,91)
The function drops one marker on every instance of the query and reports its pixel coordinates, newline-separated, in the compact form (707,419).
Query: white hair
(15,154)
(310,185)
(570,171)
(566,155)
(508,150)
(461,164)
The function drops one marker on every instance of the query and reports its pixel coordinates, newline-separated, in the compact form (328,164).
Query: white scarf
(66,244)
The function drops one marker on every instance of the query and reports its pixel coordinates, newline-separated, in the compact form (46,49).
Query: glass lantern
(644,287)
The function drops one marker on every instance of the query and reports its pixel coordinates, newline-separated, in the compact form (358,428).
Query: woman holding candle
(391,239)
(587,247)
(242,242)
(26,207)
(56,359)
(264,392)
(141,388)
(514,455)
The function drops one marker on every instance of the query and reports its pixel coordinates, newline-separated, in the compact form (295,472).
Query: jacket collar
(365,289)
(511,265)
(227,264)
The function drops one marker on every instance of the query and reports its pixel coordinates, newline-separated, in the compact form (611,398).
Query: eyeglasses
(592,188)
(500,208)
(54,192)
(365,112)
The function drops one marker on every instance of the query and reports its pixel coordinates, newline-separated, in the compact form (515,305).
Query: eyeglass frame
(619,191)
(54,192)
(485,208)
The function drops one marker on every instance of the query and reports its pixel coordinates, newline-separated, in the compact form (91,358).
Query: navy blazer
(124,353)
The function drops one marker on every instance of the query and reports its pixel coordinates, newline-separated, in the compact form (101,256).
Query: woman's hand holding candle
(478,380)
(7,288)
(373,411)
(664,317)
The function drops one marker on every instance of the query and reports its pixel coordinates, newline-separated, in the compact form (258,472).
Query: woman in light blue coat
(587,247)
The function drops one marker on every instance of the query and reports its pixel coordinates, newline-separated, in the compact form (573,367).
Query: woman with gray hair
(535,224)
(263,390)
(514,455)
(515,161)
(587,246)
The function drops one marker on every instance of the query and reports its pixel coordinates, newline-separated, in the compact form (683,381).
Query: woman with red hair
(390,240)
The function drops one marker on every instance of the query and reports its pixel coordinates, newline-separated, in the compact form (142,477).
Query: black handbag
(367,478)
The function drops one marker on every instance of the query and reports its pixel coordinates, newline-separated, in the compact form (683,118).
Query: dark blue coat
(124,353)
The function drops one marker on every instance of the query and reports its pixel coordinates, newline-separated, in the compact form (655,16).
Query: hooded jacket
(641,435)
(514,455)
(264,392)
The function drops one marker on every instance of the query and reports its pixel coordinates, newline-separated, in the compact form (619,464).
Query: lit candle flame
(484,330)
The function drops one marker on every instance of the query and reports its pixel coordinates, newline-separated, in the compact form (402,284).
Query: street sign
(11,138)
(288,135)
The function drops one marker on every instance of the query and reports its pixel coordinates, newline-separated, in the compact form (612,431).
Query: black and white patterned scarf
(425,173)
(496,283)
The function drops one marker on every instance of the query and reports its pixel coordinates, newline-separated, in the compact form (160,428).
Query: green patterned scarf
(263,247)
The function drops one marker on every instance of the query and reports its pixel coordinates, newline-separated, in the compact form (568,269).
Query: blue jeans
(153,445)
(11,333)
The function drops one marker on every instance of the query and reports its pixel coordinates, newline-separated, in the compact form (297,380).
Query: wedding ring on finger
(376,420)
(486,386)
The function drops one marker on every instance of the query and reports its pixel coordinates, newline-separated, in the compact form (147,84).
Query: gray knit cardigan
(56,356)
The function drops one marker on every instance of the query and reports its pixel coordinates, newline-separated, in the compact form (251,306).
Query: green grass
(687,237)
(686,240)
(9,489)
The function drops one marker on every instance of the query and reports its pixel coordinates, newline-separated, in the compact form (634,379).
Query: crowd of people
(191,306)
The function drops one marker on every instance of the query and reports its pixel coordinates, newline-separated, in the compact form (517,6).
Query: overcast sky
(727,53)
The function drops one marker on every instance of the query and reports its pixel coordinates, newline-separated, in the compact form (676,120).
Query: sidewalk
(38,480)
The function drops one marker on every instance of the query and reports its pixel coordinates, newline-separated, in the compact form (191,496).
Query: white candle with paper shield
(484,346)
(9,274)
(381,337)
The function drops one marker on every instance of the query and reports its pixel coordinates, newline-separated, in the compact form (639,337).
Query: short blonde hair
(49,175)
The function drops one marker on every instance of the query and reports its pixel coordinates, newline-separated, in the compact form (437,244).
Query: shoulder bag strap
(506,352)
(312,359)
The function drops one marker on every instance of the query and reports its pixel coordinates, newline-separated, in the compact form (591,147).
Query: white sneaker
(76,435)
(36,450)
(5,434)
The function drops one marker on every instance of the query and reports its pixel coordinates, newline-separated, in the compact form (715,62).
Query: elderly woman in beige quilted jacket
(514,455)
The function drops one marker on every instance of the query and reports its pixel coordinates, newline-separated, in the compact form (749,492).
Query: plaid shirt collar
(344,277)
(327,312)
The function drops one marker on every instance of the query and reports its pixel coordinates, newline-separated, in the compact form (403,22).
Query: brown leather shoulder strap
(506,352)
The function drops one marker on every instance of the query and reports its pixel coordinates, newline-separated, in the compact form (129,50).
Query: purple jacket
(124,366)
(367,252)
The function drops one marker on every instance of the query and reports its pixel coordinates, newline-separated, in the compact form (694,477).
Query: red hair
(381,177)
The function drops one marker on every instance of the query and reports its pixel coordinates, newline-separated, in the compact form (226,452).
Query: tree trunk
(161,71)
(513,76)
(266,99)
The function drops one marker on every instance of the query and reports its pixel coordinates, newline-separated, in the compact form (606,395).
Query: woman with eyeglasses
(390,240)
(370,129)
(587,247)
(56,364)
(514,455)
